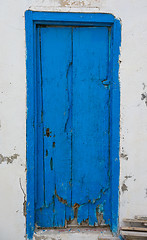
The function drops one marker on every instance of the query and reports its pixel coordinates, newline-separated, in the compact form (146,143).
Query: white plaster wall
(133,81)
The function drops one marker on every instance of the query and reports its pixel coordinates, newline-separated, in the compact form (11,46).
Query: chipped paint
(106,82)
(48,132)
(9,159)
(42,238)
(127,177)
(124,187)
(51,98)
(85,222)
(69,3)
(144,97)
(124,156)
(146,193)
(60,198)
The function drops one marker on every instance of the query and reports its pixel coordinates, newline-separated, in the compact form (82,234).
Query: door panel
(73,179)
(56,53)
(90,119)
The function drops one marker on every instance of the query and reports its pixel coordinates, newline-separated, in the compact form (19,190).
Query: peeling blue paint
(73,19)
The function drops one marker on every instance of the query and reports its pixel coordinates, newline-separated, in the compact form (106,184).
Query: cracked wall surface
(133,124)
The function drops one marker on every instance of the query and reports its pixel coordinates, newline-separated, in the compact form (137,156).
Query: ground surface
(75,234)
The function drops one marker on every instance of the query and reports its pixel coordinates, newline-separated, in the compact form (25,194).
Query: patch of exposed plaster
(146,193)
(124,187)
(144,97)
(65,3)
(144,86)
(126,177)
(42,238)
(79,3)
(124,155)
(8,159)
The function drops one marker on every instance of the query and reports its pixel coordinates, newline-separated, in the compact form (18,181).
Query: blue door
(73,109)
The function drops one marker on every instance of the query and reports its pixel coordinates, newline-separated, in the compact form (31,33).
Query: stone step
(75,234)
(134,235)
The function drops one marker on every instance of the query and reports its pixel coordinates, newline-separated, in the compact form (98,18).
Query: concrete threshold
(74,234)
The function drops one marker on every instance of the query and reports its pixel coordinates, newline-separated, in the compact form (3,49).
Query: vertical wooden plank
(90,140)
(56,55)
(39,128)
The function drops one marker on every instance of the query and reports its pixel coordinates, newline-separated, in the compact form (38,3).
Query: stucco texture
(133,86)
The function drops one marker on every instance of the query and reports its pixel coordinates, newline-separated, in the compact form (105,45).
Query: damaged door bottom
(85,223)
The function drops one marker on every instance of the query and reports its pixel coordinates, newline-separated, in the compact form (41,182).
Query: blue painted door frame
(73,19)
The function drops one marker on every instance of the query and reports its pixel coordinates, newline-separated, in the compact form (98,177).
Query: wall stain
(66,3)
(41,237)
(144,86)
(144,97)
(8,159)
(126,177)
(146,193)
(144,94)
(124,155)
(124,187)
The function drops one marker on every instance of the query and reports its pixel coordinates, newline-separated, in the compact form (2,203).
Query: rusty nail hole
(53,144)
(48,132)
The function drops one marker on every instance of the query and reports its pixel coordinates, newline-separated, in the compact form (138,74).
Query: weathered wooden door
(73,106)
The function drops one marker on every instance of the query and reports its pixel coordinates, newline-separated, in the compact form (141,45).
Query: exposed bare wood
(134,220)
(133,234)
(141,218)
(139,229)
